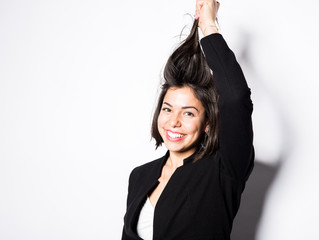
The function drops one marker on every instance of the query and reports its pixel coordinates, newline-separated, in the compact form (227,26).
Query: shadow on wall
(252,201)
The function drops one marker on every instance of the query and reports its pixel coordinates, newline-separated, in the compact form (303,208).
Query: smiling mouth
(174,137)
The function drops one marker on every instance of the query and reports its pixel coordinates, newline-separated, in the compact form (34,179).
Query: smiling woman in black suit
(204,120)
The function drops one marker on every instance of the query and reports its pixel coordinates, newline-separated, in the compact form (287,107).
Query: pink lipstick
(174,136)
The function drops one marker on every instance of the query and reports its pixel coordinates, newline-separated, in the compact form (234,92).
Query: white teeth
(174,135)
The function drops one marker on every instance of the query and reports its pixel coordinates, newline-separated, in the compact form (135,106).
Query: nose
(174,121)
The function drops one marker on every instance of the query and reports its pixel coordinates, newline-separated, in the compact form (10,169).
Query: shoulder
(147,170)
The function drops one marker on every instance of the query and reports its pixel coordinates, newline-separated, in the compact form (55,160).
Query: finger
(196,15)
(199,4)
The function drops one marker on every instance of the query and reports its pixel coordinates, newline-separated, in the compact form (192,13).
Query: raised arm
(235,106)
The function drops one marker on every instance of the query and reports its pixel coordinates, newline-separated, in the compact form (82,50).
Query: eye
(165,109)
(189,114)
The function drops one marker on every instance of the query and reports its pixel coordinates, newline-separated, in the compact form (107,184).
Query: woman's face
(181,121)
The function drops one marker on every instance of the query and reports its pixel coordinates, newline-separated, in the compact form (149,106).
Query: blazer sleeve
(128,201)
(235,132)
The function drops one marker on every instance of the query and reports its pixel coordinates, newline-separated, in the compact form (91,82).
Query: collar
(187,160)
(190,159)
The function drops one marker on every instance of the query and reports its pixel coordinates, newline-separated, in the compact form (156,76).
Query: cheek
(193,127)
(160,122)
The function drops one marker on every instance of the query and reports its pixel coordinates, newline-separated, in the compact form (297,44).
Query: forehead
(180,97)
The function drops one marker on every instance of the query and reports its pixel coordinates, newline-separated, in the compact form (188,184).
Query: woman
(204,120)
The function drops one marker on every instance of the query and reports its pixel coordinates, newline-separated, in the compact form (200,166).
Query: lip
(174,139)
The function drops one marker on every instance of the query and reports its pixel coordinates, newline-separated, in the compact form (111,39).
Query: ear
(207,127)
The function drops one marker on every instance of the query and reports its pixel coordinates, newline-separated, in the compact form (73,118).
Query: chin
(179,149)
(174,148)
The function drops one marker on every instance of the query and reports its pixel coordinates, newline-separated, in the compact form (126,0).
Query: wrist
(209,29)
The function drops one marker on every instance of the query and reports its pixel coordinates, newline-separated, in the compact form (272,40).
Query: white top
(145,221)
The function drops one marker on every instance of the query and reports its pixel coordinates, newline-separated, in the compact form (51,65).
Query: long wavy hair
(187,67)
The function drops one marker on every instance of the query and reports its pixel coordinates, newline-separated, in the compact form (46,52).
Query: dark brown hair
(187,67)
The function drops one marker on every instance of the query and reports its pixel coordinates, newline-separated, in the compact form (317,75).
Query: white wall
(78,84)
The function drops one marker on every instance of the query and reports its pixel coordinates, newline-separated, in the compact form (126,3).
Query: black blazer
(201,199)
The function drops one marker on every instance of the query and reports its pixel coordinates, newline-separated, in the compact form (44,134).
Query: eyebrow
(185,107)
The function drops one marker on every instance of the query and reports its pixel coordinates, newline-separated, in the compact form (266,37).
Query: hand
(206,12)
